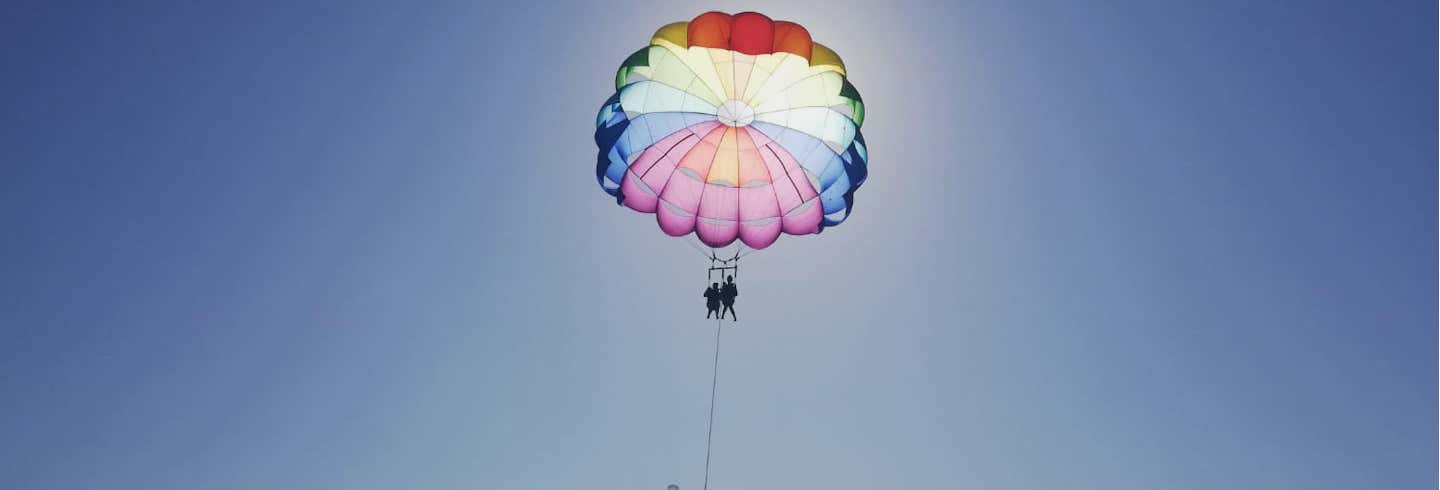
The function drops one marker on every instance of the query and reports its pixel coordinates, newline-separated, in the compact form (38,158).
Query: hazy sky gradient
(1139,245)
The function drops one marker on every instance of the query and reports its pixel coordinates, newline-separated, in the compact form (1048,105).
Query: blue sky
(356,245)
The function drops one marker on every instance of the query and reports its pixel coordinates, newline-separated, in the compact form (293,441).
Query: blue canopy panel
(837,175)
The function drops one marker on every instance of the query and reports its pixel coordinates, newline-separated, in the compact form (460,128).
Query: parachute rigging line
(714,381)
(697,248)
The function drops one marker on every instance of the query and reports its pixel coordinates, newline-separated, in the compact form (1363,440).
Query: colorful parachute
(733,126)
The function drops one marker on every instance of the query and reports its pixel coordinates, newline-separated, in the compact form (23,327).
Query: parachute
(733,127)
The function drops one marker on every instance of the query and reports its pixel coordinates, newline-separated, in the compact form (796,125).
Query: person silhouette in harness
(728,292)
(712,300)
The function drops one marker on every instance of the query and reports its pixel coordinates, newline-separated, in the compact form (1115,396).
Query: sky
(1137,245)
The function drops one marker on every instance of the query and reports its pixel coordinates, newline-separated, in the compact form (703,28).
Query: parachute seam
(685,91)
(780,60)
(830,108)
(798,80)
(684,62)
(661,190)
(667,152)
(705,186)
(633,123)
(768,177)
(804,134)
(787,171)
(819,138)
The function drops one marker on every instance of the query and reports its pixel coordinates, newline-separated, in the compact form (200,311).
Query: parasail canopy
(733,127)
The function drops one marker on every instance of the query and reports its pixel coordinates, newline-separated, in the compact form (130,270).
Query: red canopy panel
(749,33)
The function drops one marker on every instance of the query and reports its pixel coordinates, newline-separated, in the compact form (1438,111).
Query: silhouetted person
(712,300)
(728,292)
